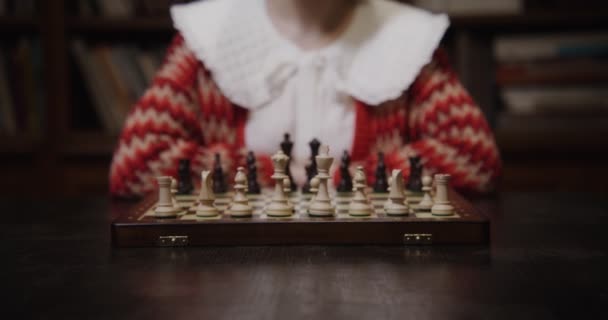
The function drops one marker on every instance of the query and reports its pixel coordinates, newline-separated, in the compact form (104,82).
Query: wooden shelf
(528,20)
(553,135)
(88,144)
(10,24)
(106,25)
(19,144)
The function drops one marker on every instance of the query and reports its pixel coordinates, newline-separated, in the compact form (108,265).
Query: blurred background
(71,69)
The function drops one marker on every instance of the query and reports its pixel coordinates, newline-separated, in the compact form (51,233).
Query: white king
(321,204)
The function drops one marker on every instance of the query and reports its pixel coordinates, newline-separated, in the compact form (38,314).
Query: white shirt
(308,94)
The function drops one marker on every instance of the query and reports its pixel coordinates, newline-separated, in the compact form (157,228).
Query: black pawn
(311,168)
(309,175)
(346,181)
(287,146)
(184,182)
(414,183)
(381,183)
(219,180)
(253,186)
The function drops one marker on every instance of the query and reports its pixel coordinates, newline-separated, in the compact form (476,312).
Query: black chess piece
(346,181)
(253,186)
(414,183)
(184,182)
(309,175)
(381,183)
(311,168)
(219,180)
(287,147)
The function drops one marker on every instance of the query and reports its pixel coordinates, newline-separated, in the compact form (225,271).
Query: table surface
(547,259)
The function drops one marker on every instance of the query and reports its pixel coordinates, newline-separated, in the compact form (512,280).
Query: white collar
(376,59)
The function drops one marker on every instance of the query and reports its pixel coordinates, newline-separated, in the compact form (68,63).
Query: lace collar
(374,60)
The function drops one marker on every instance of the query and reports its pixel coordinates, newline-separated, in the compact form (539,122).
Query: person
(363,76)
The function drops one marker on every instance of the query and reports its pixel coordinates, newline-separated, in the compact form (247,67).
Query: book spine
(8,123)
(95,87)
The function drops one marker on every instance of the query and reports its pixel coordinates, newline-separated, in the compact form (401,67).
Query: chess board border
(128,230)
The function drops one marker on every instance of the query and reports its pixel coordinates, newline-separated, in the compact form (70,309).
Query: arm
(163,127)
(448,130)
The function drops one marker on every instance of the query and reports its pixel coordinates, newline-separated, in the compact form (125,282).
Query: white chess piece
(442,206)
(321,205)
(240,207)
(359,205)
(164,207)
(206,197)
(397,205)
(279,206)
(427,201)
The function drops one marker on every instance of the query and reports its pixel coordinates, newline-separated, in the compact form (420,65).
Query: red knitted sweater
(184,115)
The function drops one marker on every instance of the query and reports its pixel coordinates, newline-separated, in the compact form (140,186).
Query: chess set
(422,211)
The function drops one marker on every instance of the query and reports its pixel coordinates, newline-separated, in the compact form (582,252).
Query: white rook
(165,207)
(442,205)
(279,206)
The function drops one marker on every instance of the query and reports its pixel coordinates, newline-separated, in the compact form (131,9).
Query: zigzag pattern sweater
(184,115)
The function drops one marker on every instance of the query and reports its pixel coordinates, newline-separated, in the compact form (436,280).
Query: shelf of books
(22,102)
(554,89)
(107,80)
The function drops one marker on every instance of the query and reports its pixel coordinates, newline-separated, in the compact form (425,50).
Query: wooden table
(548,258)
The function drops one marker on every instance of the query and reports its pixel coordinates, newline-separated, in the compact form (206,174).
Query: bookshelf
(78,158)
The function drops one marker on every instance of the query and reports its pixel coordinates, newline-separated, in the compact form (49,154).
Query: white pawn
(359,205)
(279,206)
(442,206)
(321,205)
(206,198)
(427,200)
(164,207)
(240,207)
(397,206)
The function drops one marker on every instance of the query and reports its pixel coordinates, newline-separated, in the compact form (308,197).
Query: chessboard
(137,226)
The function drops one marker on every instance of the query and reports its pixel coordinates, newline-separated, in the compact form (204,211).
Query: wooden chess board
(138,227)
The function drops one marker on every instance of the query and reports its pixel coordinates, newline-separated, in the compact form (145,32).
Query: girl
(363,76)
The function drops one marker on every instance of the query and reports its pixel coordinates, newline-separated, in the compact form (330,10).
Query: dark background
(66,150)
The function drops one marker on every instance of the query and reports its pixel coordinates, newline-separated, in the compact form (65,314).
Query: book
(472,7)
(550,46)
(123,57)
(152,7)
(3,8)
(8,122)
(87,8)
(116,8)
(551,72)
(148,64)
(549,125)
(555,99)
(116,83)
(40,88)
(28,78)
(101,96)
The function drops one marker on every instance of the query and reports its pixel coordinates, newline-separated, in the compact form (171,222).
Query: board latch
(418,238)
(173,241)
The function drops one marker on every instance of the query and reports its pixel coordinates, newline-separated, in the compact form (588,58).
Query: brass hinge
(417,238)
(173,241)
